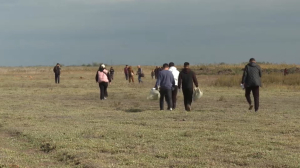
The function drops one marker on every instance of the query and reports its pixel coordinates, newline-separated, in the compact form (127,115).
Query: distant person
(175,73)
(103,78)
(56,71)
(140,74)
(186,79)
(130,74)
(126,72)
(252,81)
(112,72)
(156,71)
(285,72)
(165,82)
(152,74)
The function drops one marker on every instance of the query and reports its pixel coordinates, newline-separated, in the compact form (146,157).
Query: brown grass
(47,125)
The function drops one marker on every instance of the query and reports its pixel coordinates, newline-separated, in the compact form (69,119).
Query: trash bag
(197,94)
(154,94)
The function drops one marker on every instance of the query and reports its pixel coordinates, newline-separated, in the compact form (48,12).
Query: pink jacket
(102,76)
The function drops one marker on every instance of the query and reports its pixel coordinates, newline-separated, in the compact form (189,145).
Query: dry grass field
(47,125)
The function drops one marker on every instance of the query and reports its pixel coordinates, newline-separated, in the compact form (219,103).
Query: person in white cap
(103,78)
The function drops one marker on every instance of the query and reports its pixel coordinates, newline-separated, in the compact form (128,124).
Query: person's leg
(162,99)
(184,98)
(255,92)
(247,95)
(129,79)
(132,79)
(189,99)
(58,78)
(174,97)
(55,78)
(101,90)
(169,98)
(105,85)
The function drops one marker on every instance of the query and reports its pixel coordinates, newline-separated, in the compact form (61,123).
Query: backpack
(102,77)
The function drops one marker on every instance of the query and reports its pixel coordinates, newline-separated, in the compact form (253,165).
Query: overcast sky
(147,32)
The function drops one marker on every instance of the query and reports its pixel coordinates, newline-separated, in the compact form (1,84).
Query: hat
(102,65)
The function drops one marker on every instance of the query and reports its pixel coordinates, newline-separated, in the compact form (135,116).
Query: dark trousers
(112,76)
(103,90)
(188,97)
(255,92)
(57,77)
(140,78)
(126,76)
(174,96)
(165,94)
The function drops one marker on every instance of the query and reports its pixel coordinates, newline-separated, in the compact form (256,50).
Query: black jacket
(56,70)
(186,79)
(252,75)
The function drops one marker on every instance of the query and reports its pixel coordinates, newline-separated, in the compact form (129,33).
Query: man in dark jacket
(56,71)
(185,81)
(112,72)
(126,72)
(165,82)
(252,81)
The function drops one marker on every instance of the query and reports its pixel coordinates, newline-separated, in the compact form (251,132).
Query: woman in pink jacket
(103,78)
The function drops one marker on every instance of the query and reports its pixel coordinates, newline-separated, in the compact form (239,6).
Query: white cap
(102,65)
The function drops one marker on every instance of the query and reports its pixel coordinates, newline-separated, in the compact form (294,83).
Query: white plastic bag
(197,94)
(154,94)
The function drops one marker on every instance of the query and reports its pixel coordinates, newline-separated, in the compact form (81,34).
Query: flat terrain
(47,125)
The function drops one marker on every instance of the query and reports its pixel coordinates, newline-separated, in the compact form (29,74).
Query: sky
(148,32)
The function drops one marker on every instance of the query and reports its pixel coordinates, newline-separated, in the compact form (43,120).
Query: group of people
(169,81)
(129,73)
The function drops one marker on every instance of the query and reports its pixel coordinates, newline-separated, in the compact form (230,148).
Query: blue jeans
(140,79)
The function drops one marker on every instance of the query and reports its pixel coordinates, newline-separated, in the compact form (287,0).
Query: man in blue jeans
(165,82)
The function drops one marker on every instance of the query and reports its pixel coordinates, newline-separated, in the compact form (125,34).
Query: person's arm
(108,77)
(195,79)
(54,69)
(244,75)
(157,84)
(96,77)
(260,72)
(179,80)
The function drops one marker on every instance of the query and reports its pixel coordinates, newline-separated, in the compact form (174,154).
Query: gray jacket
(252,75)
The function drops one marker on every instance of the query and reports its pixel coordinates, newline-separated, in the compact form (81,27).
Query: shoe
(105,98)
(188,108)
(250,107)
(171,109)
(256,110)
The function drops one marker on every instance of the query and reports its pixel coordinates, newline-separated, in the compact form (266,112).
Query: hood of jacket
(186,70)
(252,64)
(172,69)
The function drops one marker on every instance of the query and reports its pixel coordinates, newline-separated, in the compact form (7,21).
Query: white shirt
(175,73)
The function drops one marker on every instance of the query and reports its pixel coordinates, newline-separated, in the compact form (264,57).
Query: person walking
(156,72)
(165,82)
(140,74)
(252,81)
(185,81)
(56,71)
(112,72)
(103,78)
(130,74)
(126,72)
(152,74)
(175,73)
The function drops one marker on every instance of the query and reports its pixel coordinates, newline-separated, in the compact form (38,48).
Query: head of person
(165,66)
(111,67)
(252,60)
(186,65)
(126,66)
(101,67)
(171,64)
(57,64)
(156,67)
(139,66)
